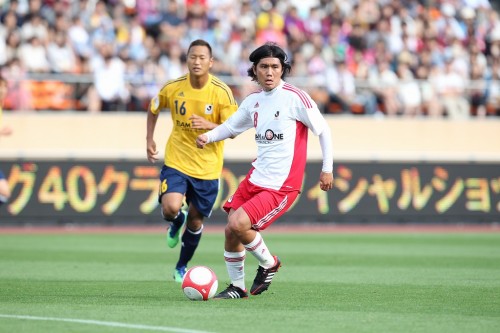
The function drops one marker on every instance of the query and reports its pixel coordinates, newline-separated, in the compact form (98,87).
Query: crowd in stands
(435,58)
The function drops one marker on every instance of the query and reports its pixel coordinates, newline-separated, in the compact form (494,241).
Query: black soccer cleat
(231,292)
(264,277)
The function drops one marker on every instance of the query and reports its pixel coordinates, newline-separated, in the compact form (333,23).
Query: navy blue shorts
(2,176)
(199,192)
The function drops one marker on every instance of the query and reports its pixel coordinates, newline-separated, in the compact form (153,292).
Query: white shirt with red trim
(281,118)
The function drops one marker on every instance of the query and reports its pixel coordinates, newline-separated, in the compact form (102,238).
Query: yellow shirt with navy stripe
(214,102)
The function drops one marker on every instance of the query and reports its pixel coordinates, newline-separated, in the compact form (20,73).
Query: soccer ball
(200,283)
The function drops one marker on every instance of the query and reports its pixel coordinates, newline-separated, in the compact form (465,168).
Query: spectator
(173,62)
(294,28)
(60,54)
(19,97)
(33,56)
(478,90)
(408,91)
(493,97)
(451,91)
(79,37)
(384,83)
(9,24)
(109,80)
(35,27)
(13,9)
(430,105)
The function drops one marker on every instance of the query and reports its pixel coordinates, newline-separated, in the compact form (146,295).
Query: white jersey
(281,118)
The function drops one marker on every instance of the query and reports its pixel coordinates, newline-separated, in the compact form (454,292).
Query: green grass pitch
(332,282)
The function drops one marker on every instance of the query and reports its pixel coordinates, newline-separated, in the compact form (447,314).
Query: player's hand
(201,141)
(198,122)
(326,181)
(151,151)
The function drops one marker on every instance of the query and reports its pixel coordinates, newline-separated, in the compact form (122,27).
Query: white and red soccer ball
(200,283)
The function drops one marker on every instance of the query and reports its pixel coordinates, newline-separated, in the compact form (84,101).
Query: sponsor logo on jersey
(256,105)
(209,109)
(183,124)
(268,137)
(276,115)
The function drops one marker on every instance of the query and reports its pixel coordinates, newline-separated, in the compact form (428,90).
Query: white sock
(235,264)
(258,248)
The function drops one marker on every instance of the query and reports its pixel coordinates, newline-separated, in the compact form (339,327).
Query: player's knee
(194,224)
(169,213)
(238,223)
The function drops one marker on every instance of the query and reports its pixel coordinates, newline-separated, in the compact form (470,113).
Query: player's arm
(198,122)
(152,118)
(326,175)
(219,133)
(315,121)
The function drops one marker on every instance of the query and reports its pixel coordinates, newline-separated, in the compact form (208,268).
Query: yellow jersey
(215,102)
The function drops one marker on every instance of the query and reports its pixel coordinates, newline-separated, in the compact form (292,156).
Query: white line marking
(105,323)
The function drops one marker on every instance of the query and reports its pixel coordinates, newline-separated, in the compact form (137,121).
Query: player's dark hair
(200,42)
(269,50)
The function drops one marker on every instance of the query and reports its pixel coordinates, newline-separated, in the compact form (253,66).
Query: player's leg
(200,196)
(261,211)
(190,238)
(173,185)
(248,208)
(240,227)
(234,257)
(240,238)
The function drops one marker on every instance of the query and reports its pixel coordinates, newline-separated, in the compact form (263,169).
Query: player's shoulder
(174,83)
(296,94)
(289,88)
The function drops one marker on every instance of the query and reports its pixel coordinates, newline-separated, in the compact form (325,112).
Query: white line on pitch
(105,323)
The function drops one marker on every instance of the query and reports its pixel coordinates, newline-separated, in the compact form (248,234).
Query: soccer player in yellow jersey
(198,101)
(4,131)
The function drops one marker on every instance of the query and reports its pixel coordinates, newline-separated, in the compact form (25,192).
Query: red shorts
(262,205)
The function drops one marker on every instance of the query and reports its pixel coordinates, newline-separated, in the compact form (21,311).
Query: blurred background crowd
(432,58)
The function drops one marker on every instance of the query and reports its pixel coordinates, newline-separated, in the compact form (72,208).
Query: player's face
(199,61)
(268,71)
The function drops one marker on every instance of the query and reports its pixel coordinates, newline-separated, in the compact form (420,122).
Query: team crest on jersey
(209,109)
(181,94)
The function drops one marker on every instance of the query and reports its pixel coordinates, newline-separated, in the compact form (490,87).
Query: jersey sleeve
(310,115)
(159,102)
(240,121)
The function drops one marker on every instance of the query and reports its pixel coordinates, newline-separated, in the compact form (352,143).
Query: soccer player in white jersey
(282,115)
